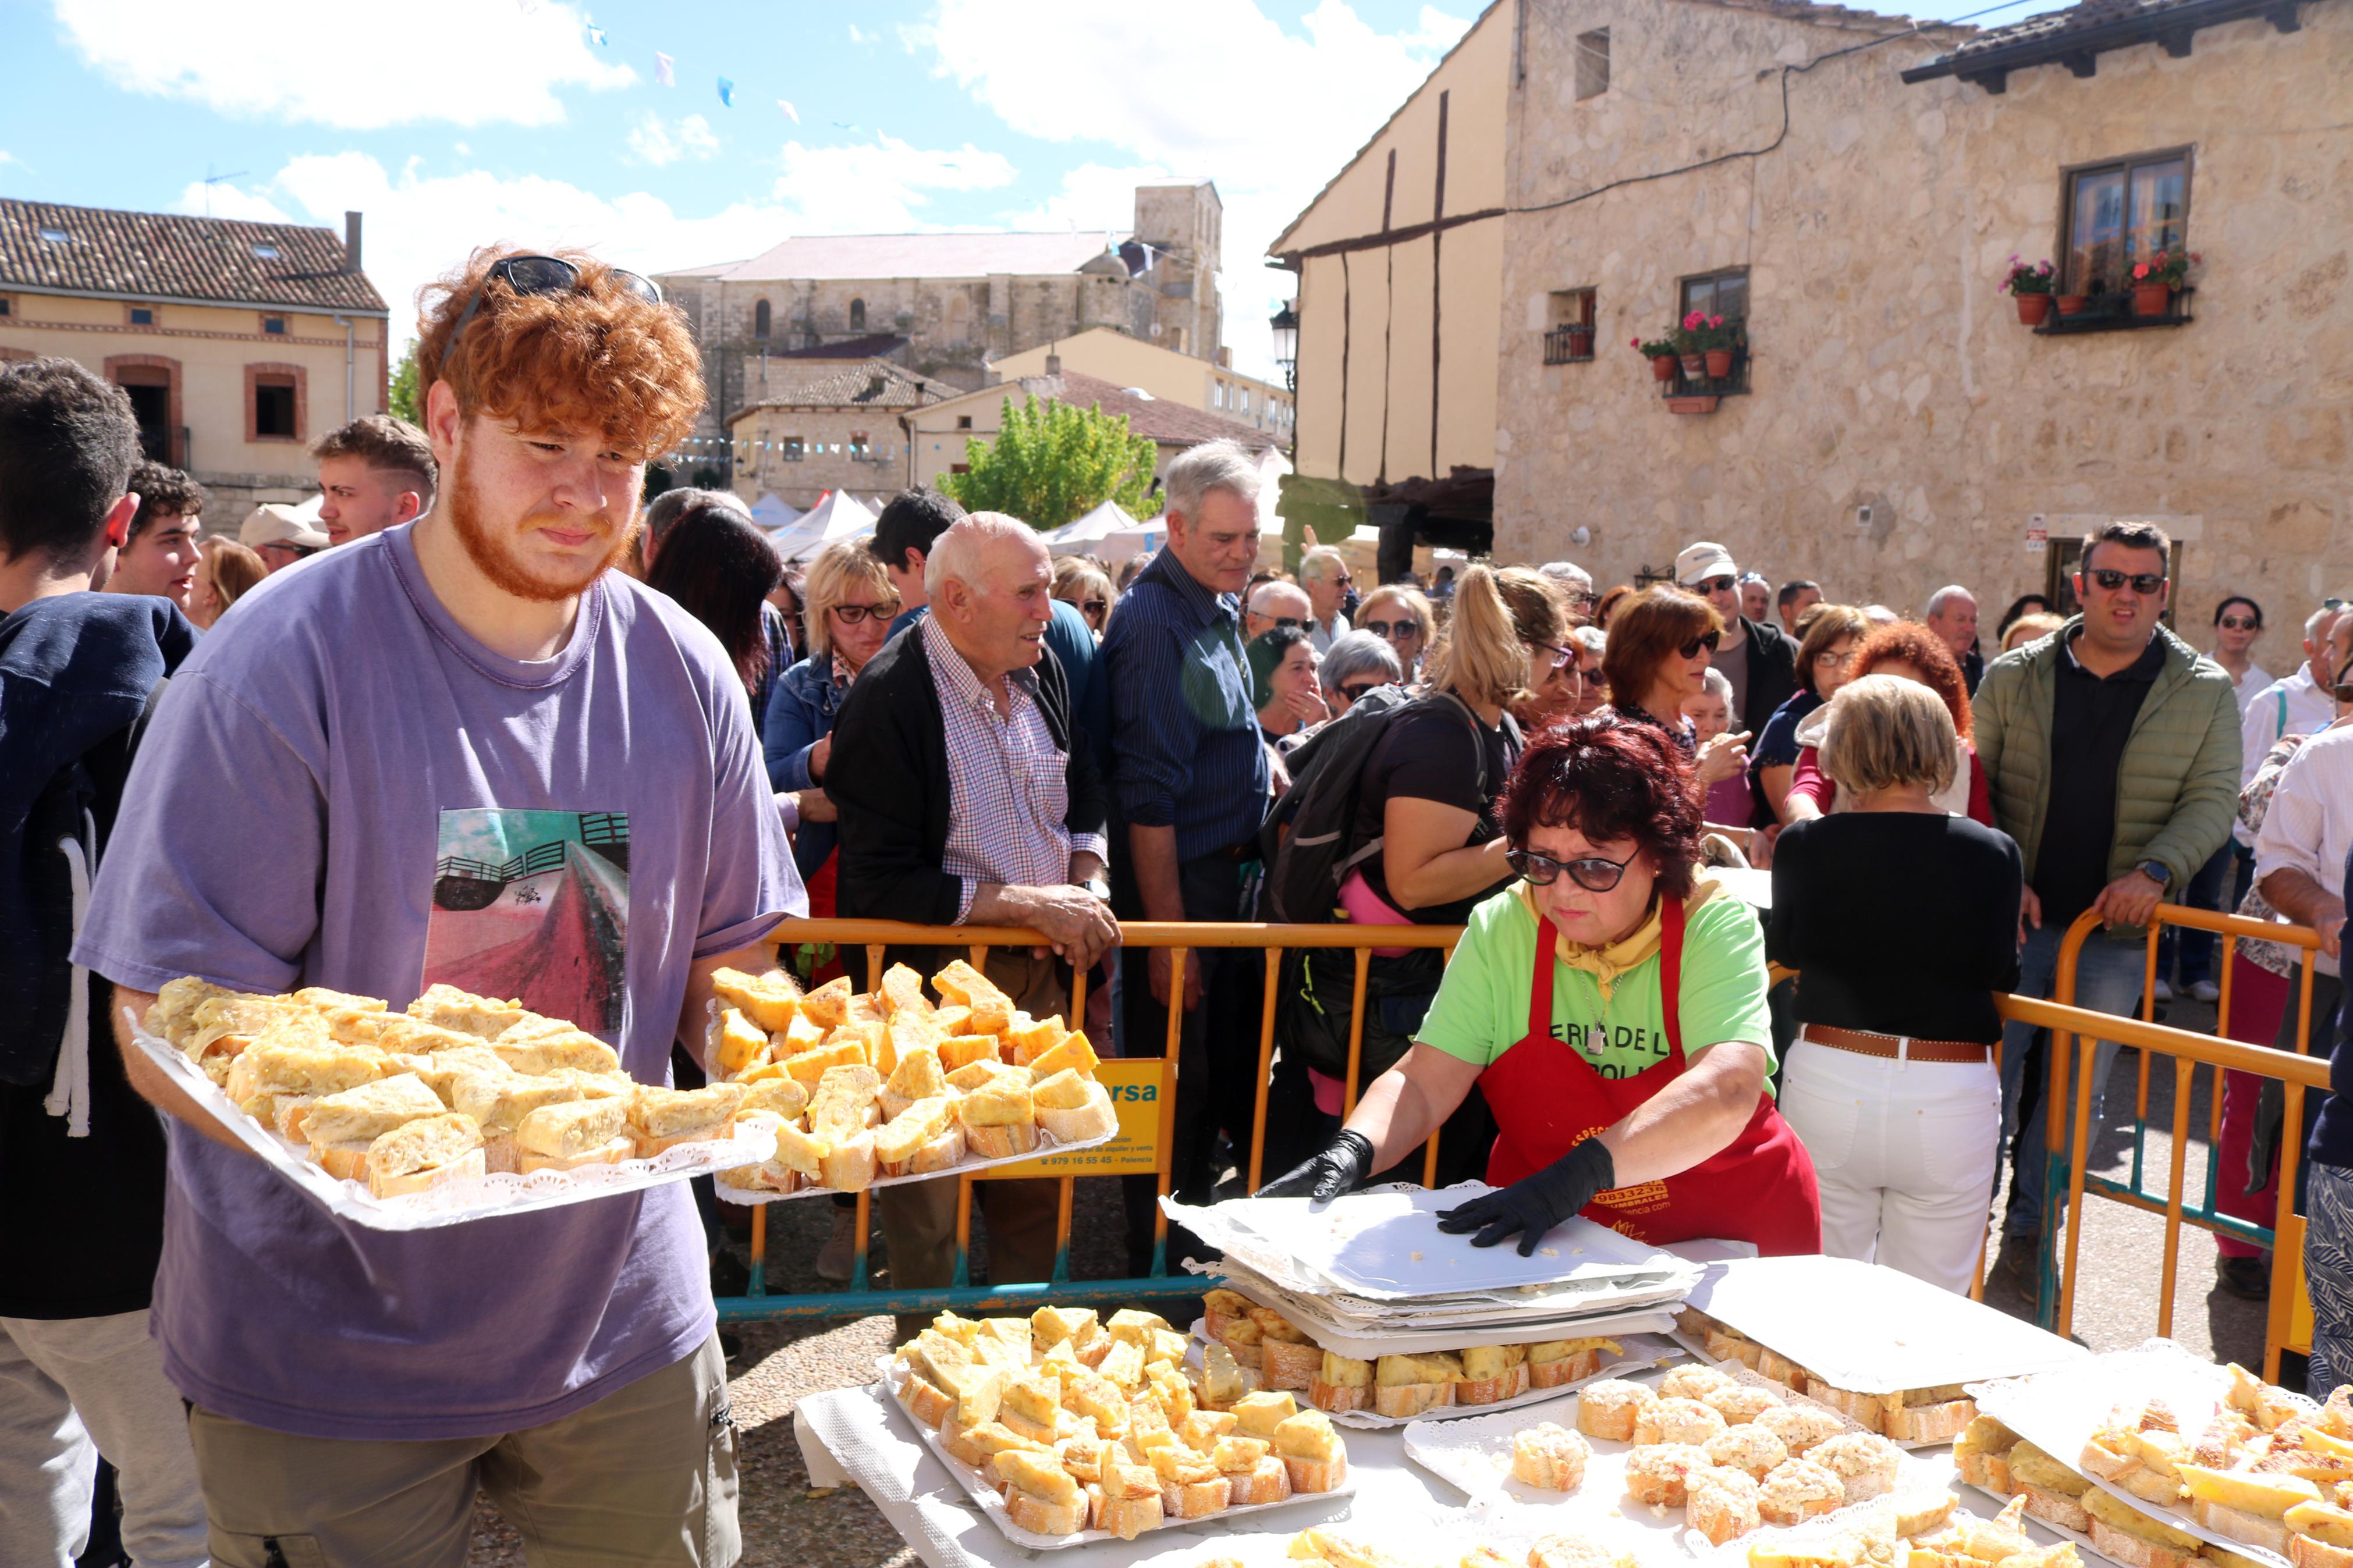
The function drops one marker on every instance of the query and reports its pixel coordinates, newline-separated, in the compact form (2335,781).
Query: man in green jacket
(2112,751)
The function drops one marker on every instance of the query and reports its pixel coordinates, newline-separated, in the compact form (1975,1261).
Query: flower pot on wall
(1694,366)
(1663,366)
(2033,310)
(2152,298)
(2071,304)
(1719,363)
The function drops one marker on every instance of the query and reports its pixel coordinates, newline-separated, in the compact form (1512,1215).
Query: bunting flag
(726,93)
(790,112)
(665,73)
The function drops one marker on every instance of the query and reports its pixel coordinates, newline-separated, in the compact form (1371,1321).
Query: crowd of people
(943,724)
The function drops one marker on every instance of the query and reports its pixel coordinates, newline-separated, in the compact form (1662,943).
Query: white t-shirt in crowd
(2309,827)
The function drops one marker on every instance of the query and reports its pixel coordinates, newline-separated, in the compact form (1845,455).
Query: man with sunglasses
(2112,751)
(1324,572)
(351,1389)
(1760,660)
(1274,604)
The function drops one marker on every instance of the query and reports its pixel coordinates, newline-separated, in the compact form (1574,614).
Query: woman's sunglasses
(1708,640)
(1591,872)
(852,614)
(1355,693)
(1394,630)
(541,275)
(2242,624)
(2143,583)
(1096,606)
(1561,657)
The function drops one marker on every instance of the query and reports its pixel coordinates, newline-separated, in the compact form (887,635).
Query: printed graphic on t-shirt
(533,905)
(1614,1050)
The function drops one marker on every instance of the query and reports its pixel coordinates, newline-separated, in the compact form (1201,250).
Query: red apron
(1546,1098)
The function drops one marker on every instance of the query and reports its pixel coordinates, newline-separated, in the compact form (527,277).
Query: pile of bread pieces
(1916,1416)
(1273,1352)
(893,1084)
(451,1089)
(2265,1469)
(1083,1422)
(1562,1548)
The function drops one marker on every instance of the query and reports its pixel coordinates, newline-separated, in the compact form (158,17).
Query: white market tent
(1081,536)
(772,512)
(1142,539)
(837,517)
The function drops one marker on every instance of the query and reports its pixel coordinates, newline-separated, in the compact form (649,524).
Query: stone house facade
(838,430)
(238,343)
(958,300)
(1894,426)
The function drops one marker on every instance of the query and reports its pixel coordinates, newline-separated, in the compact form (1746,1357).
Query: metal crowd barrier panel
(1157,1074)
(2068,1129)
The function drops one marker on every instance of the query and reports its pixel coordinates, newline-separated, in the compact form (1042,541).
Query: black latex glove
(1534,1205)
(1342,1168)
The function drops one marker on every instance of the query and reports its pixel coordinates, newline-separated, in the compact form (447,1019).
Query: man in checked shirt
(963,801)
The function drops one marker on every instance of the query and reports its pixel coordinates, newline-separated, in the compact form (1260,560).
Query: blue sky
(453,122)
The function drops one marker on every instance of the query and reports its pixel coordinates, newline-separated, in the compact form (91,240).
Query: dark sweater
(1772,657)
(1898,923)
(888,778)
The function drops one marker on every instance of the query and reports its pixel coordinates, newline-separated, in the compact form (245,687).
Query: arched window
(760,320)
(857,315)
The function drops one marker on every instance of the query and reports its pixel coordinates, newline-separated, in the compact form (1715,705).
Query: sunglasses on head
(2242,622)
(526,274)
(1708,640)
(1394,629)
(1591,872)
(2112,580)
(852,614)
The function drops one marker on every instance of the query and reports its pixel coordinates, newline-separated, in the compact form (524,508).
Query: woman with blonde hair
(1400,615)
(1661,646)
(1892,1082)
(1080,581)
(2029,629)
(848,606)
(227,570)
(1428,843)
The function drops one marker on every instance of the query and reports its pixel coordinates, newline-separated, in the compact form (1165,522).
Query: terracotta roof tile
(876,383)
(172,256)
(1167,422)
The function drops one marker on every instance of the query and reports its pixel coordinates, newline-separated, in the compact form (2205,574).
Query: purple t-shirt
(341,787)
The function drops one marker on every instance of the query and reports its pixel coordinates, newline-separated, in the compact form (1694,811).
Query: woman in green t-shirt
(1568,1002)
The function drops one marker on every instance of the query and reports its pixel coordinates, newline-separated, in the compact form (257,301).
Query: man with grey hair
(1190,783)
(965,799)
(1755,596)
(1952,614)
(2300,702)
(1576,584)
(1275,603)
(1325,575)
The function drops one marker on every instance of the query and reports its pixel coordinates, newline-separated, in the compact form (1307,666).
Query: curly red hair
(597,358)
(1609,778)
(1907,642)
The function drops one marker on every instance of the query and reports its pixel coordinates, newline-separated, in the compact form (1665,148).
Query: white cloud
(659,142)
(1094,196)
(858,35)
(1268,114)
(877,188)
(469,62)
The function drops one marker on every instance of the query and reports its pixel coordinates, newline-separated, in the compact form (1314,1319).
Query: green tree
(1053,462)
(403,397)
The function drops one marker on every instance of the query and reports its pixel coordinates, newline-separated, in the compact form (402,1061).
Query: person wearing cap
(1760,660)
(280,535)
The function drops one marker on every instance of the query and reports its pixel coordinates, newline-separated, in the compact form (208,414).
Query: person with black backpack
(1391,821)
(81,1156)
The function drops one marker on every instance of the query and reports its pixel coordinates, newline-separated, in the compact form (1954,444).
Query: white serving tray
(455,1203)
(2059,1411)
(1644,1353)
(1411,1333)
(1870,1330)
(895,1373)
(1046,1144)
(1384,1244)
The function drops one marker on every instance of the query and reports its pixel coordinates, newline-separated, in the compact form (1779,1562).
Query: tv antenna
(212,179)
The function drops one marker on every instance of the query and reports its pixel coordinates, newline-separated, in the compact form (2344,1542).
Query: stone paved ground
(787,1525)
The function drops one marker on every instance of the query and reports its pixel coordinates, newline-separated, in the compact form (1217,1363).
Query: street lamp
(1286,343)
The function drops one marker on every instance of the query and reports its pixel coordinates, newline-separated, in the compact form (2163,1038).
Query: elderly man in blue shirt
(1190,785)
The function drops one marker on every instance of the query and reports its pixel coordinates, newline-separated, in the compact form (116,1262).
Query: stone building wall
(761,468)
(1888,372)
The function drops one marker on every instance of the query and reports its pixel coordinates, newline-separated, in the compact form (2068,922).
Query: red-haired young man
(472,697)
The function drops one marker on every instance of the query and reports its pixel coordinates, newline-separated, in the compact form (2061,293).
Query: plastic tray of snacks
(1416,1333)
(459,1201)
(1641,1353)
(1870,1330)
(1046,1144)
(2059,1412)
(986,1498)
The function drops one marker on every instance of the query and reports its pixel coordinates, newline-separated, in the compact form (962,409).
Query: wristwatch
(1098,887)
(2156,871)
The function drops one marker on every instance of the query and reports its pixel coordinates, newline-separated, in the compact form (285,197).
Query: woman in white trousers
(1903,923)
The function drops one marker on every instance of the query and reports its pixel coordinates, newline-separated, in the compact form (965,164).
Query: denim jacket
(800,713)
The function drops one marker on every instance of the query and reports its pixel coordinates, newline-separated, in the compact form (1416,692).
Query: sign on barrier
(1136,1085)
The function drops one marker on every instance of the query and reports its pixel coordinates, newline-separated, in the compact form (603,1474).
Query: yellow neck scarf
(1608,964)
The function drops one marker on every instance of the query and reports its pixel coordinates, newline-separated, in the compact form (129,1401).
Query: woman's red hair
(1609,778)
(1907,642)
